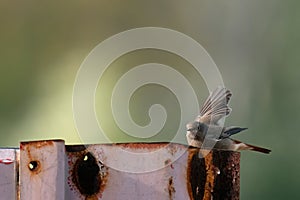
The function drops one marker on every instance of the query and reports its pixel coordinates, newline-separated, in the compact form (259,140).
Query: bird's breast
(192,141)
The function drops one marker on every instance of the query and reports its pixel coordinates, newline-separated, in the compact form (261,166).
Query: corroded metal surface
(229,165)
(158,175)
(42,170)
(51,170)
(163,171)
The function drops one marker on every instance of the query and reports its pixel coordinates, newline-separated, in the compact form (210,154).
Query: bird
(207,131)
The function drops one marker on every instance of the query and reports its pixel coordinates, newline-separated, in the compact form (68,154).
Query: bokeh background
(255,44)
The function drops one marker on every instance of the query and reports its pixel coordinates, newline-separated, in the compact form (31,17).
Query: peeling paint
(38,144)
(92,176)
(153,146)
(171,188)
(168,161)
(6,161)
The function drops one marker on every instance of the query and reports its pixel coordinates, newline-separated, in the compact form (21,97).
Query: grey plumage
(207,130)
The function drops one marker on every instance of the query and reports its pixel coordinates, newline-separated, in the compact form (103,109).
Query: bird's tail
(244,146)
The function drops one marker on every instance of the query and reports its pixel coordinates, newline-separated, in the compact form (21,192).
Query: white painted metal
(42,170)
(137,171)
(8,176)
(127,171)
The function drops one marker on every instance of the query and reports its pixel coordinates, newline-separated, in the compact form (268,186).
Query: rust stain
(210,178)
(171,188)
(201,175)
(216,176)
(168,161)
(92,197)
(196,174)
(38,144)
(172,148)
(34,165)
(149,146)
(227,182)
(104,173)
(188,174)
(72,159)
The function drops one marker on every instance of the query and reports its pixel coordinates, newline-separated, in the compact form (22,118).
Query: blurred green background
(255,44)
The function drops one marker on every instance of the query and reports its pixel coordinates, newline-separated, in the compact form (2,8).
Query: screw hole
(33,165)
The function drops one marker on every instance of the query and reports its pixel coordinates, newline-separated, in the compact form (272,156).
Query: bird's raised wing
(215,107)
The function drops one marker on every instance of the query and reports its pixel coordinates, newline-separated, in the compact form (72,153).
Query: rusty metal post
(42,170)
(120,171)
(216,176)
(106,172)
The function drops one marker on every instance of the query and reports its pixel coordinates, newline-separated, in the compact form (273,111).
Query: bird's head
(194,127)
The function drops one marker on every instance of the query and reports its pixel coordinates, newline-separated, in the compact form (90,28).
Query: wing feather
(215,107)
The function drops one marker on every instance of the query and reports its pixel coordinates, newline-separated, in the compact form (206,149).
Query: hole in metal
(86,175)
(33,165)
